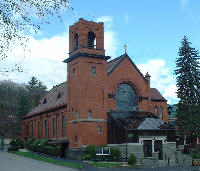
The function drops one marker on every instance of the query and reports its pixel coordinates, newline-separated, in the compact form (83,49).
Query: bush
(196,155)
(33,145)
(53,151)
(87,157)
(41,144)
(132,159)
(16,142)
(13,149)
(30,140)
(91,150)
(114,153)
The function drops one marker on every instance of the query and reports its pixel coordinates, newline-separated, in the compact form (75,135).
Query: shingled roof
(56,97)
(139,120)
(156,96)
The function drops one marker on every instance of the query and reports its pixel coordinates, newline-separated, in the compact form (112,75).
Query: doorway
(147,147)
(158,148)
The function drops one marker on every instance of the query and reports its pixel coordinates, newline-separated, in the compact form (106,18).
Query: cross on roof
(125,46)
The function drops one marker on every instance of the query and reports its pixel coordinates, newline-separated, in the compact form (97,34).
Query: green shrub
(53,151)
(196,155)
(30,140)
(132,159)
(114,153)
(13,149)
(16,142)
(41,144)
(91,150)
(87,157)
(33,145)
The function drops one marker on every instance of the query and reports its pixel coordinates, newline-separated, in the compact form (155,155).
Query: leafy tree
(20,18)
(37,90)
(188,84)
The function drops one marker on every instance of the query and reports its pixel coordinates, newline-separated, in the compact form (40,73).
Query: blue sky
(152,30)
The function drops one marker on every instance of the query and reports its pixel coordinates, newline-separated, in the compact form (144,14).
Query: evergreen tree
(188,84)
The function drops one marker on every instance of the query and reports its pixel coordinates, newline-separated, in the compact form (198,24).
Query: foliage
(41,146)
(87,157)
(188,84)
(114,153)
(15,104)
(13,149)
(30,140)
(196,155)
(20,18)
(16,142)
(132,159)
(90,154)
(49,160)
(91,150)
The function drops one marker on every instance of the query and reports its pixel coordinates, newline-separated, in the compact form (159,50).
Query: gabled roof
(112,65)
(139,120)
(56,97)
(156,96)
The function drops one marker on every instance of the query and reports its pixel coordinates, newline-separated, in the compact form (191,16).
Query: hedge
(41,146)
(30,140)
(132,159)
(16,142)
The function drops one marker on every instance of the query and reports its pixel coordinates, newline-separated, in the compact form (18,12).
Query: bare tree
(19,18)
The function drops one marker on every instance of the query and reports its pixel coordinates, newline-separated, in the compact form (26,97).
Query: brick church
(103,101)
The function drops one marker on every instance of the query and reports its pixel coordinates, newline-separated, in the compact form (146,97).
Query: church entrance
(147,148)
(158,148)
(126,98)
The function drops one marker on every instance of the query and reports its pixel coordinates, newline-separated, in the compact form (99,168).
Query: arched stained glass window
(126,98)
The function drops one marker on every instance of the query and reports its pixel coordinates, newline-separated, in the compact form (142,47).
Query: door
(158,148)
(147,148)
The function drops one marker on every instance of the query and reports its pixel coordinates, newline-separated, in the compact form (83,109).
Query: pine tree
(188,84)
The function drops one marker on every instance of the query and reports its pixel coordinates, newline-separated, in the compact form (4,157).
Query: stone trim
(87,120)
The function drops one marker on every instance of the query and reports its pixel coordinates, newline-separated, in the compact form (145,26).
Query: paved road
(12,162)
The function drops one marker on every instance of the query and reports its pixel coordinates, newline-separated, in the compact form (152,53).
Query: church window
(46,129)
(99,130)
(126,98)
(161,113)
(63,126)
(32,129)
(59,95)
(91,40)
(75,140)
(75,41)
(93,70)
(44,101)
(72,112)
(38,129)
(76,115)
(73,71)
(156,111)
(89,114)
(54,127)
(27,130)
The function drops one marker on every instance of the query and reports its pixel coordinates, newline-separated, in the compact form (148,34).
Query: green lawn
(105,164)
(48,160)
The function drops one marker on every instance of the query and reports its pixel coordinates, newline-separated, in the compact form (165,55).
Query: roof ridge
(116,58)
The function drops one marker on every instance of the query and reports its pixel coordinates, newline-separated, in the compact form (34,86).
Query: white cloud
(160,78)
(43,60)
(111,43)
(107,20)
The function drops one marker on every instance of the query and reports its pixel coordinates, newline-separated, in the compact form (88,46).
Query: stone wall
(136,149)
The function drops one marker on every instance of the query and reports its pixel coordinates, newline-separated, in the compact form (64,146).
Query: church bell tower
(87,88)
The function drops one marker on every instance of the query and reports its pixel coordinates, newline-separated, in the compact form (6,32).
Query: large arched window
(126,98)
(91,40)
(75,41)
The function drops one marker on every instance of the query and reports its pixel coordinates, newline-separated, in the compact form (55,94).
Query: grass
(48,160)
(105,164)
